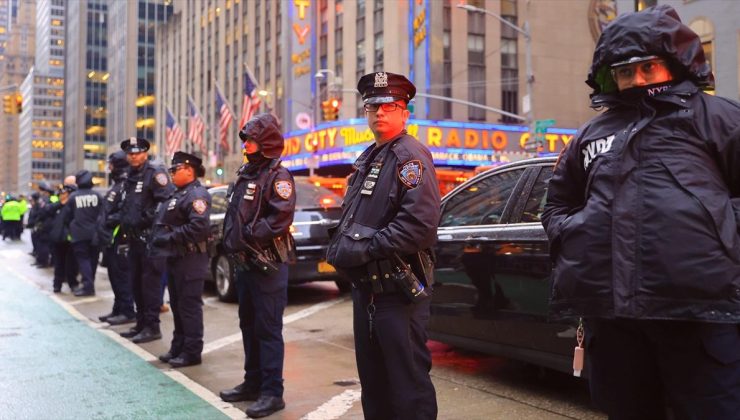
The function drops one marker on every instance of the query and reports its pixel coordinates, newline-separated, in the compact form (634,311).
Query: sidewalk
(55,366)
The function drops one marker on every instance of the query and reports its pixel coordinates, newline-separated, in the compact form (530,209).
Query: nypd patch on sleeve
(284,189)
(410,173)
(161,179)
(200,205)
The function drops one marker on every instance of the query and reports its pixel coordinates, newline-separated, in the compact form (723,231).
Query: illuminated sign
(301,32)
(451,143)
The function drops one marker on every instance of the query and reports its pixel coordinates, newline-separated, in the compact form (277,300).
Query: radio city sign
(451,143)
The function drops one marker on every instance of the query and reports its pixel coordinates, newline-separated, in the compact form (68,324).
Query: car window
(311,196)
(218,201)
(536,201)
(482,202)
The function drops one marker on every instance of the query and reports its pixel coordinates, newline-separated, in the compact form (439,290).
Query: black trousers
(65,265)
(145,273)
(262,301)
(87,263)
(120,282)
(394,364)
(185,278)
(644,369)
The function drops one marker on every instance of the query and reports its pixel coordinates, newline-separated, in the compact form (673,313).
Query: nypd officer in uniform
(257,223)
(382,244)
(115,250)
(81,214)
(180,232)
(145,187)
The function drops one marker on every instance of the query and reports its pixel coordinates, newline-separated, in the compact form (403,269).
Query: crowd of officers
(152,225)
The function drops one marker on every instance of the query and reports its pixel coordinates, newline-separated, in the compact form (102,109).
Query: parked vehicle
(317,208)
(493,268)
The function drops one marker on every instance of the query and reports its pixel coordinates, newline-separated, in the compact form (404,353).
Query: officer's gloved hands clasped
(162,240)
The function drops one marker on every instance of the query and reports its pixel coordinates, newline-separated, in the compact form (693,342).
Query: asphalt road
(320,377)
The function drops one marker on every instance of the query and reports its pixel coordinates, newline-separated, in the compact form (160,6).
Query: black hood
(654,31)
(264,129)
(84,179)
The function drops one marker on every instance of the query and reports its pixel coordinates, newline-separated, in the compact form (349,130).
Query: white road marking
(197,389)
(303,313)
(335,407)
(205,394)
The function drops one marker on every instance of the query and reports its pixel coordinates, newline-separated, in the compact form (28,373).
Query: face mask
(255,157)
(637,92)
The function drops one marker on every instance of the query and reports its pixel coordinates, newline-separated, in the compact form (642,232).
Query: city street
(98,374)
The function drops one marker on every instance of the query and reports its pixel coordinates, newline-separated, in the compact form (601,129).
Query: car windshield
(310,196)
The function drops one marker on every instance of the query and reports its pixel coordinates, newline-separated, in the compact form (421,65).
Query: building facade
(131,86)
(41,125)
(15,62)
(85,90)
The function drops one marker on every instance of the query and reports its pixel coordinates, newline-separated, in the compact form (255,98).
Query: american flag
(225,118)
(196,125)
(173,134)
(251,99)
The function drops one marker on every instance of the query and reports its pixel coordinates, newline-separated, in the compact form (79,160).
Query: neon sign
(302,32)
(451,143)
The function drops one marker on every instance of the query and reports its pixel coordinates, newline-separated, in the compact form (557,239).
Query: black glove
(162,240)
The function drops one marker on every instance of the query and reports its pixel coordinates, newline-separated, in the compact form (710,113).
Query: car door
(473,220)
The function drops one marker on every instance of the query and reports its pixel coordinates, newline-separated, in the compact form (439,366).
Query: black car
(317,208)
(493,268)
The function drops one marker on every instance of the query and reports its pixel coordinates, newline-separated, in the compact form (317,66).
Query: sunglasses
(390,107)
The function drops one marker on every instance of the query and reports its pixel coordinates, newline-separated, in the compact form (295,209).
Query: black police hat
(44,186)
(118,160)
(383,87)
(135,145)
(182,158)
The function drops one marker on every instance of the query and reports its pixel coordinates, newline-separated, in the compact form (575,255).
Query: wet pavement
(57,361)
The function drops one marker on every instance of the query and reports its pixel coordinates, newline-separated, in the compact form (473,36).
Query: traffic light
(219,171)
(331,109)
(13,103)
(8,104)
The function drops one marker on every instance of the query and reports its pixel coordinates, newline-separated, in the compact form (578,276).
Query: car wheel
(343,286)
(224,280)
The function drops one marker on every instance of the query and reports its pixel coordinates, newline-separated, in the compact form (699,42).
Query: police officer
(180,234)
(65,265)
(256,235)
(641,214)
(145,187)
(382,244)
(115,249)
(81,216)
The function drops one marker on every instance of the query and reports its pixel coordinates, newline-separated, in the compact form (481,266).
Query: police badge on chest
(371,180)
(251,190)
(171,205)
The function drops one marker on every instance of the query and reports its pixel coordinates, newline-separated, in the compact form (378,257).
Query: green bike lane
(53,365)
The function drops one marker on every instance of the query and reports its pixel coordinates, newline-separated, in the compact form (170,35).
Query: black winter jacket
(643,208)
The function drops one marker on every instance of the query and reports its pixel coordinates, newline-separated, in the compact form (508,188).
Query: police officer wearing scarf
(145,187)
(382,244)
(115,249)
(180,232)
(256,235)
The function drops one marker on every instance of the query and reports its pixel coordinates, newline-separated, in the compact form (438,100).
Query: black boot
(185,360)
(241,392)
(120,319)
(147,334)
(265,405)
(168,356)
(132,332)
(104,318)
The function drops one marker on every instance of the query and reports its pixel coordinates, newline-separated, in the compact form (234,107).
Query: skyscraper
(86,79)
(131,86)
(40,142)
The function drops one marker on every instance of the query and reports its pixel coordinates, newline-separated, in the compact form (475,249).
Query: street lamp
(524,31)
